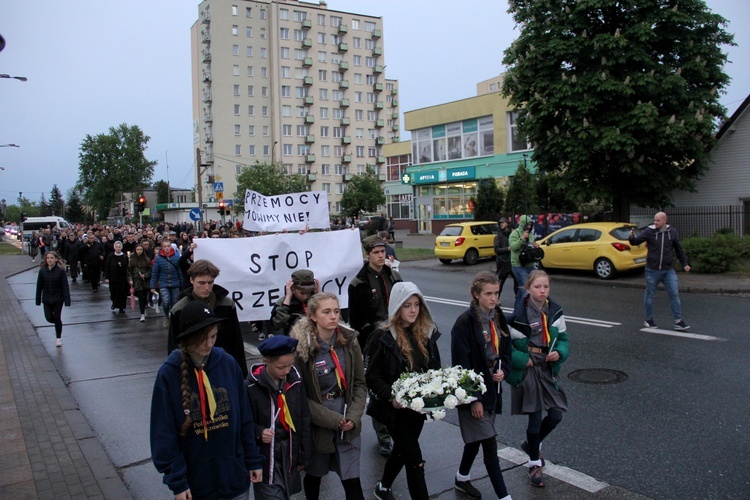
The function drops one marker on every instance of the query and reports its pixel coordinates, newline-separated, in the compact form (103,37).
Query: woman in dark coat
(34,246)
(139,275)
(116,274)
(52,291)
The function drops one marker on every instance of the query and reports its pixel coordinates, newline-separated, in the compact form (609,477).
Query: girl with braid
(202,432)
(480,341)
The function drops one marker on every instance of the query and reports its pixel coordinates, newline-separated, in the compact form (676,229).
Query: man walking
(663,245)
(502,250)
(522,236)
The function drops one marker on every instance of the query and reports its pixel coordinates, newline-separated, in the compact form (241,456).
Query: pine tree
(56,202)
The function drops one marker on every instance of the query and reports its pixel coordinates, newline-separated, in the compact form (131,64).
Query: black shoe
(681,326)
(535,476)
(649,323)
(383,493)
(385,449)
(122,311)
(74,280)
(525,448)
(112,307)
(468,489)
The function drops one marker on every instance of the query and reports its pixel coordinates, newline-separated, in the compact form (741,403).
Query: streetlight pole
(200,184)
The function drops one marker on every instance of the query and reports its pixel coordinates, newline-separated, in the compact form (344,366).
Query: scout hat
(194,316)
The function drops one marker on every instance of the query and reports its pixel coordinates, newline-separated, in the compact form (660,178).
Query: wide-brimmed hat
(195,316)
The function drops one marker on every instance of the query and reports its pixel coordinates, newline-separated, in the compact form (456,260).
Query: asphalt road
(676,427)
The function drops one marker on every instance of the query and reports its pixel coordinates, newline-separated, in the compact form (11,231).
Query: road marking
(682,334)
(566,474)
(568,319)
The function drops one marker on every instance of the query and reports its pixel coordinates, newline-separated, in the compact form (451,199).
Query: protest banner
(291,212)
(255,270)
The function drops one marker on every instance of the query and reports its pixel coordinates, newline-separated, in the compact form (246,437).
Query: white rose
(460,394)
(450,402)
(438,414)
(417,404)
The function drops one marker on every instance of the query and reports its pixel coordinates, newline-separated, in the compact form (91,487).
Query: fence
(702,220)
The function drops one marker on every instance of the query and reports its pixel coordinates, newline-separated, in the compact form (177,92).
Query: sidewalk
(48,448)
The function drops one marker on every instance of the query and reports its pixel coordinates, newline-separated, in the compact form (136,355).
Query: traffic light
(141,203)
(221,208)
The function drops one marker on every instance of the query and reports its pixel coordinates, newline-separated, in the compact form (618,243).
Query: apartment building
(290,82)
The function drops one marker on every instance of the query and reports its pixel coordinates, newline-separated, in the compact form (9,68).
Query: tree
(521,197)
(363,194)
(56,202)
(489,202)
(162,191)
(74,210)
(113,163)
(268,179)
(620,97)
(44,208)
(551,196)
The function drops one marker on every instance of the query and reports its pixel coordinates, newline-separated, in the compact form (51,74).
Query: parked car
(469,241)
(365,220)
(601,247)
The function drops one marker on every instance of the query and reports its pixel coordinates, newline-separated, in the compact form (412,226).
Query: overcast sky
(94,64)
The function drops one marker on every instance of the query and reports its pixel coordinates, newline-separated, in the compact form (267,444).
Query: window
(303,130)
(339,169)
(301,111)
(286,91)
(322,75)
(249,12)
(336,77)
(371,97)
(357,60)
(303,149)
(338,95)
(302,169)
(357,78)
(263,53)
(358,114)
(249,51)
(286,130)
(322,56)
(284,14)
(265,130)
(360,133)
(338,151)
(249,71)
(300,54)
(248,32)
(285,52)
(238,169)
(372,79)
(357,42)
(324,131)
(236,130)
(237,109)
(299,35)
(236,89)
(336,39)
(372,133)
(284,33)
(336,21)
(236,70)
(264,72)
(300,15)
(286,110)
(300,72)
(360,151)
(516,141)
(265,150)
(358,97)
(264,91)
(325,169)
(250,110)
(325,150)
(370,62)
(355,24)
(372,115)
(300,92)
(323,94)
(238,149)
(369,44)
(361,169)
(263,33)
(322,38)
(262,13)
(251,130)
(327,187)
(286,72)
(336,58)
(251,150)
(235,30)
(321,19)
(339,188)
(372,152)
(338,113)
(369,26)
(338,132)
(234,10)
(287,148)
(264,112)
(324,113)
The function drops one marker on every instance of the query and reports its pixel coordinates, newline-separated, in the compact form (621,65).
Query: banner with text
(293,211)
(255,270)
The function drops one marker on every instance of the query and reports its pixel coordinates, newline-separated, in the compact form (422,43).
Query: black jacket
(72,250)
(52,286)
(94,251)
(364,304)
(663,246)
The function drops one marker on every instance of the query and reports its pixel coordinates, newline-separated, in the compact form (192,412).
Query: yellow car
(469,241)
(599,246)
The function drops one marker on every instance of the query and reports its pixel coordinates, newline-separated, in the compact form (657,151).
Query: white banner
(291,212)
(255,270)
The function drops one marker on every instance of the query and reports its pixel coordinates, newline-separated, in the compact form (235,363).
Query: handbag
(530,254)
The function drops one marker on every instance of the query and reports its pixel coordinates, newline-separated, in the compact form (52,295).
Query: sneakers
(383,493)
(143,318)
(649,323)
(525,448)
(58,343)
(535,476)
(681,326)
(467,489)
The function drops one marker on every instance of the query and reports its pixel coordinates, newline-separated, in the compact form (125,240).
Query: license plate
(640,259)
(445,244)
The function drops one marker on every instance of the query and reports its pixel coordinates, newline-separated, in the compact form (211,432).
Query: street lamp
(21,78)
(9,146)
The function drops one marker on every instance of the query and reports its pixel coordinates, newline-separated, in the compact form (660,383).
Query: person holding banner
(293,305)
(282,418)
(330,361)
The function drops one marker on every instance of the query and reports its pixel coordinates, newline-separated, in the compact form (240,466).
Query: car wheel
(446,261)
(604,269)
(471,257)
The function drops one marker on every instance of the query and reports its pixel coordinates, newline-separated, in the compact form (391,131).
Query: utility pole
(200,185)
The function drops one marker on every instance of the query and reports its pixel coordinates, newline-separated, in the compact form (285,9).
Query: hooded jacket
(166,271)
(229,336)
(516,242)
(384,361)
(211,468)
(323,419)
(263,405)
(663,246)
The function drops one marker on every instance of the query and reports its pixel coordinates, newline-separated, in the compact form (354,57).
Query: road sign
(219,195)
(195,214)
(218,187)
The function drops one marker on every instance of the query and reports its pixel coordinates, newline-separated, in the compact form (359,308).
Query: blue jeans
(521,273)
(169,297)
(669,278)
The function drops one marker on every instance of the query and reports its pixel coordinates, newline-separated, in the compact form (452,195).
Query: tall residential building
(294,83)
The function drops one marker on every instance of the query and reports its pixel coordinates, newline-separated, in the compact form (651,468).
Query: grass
(407,254)
(8,249)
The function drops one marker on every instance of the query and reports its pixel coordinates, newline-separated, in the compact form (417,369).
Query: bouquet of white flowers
(433,390)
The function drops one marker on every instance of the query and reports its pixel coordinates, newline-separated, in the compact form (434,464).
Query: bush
(722,253)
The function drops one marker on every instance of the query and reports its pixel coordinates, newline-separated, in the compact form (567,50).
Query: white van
(39,223)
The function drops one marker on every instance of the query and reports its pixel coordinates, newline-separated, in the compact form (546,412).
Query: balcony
(307,43)
(344,103)
(379,105)
(307,24)
(347,139)
(378,87)
(343,66)
(346,159)
(343,47)
(310,159)
(344,84)
(377,34)
(310,139)
(394,91)
(380,141)
(311,177)
(308,81)
(206,76)
(395,115)
(379,124)
(395,103)
(346,121)
(309,119)
(381,177)
(206,16)
(343,28)
(205,36)
(208,117)
(377,69)
(348,177)
(309,100)
(207,97)
(380,160)
(395,128)
(206,56)
(377,51)
(307,62)
(209,137)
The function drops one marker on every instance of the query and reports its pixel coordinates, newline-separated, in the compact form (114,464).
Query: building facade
(292,83)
